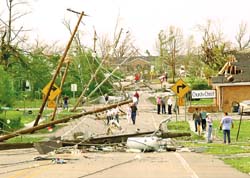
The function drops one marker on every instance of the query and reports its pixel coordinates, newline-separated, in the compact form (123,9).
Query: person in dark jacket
(133,112)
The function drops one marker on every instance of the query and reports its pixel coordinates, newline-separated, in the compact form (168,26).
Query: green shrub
(198,84)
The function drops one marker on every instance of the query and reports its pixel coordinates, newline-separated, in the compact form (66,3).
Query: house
(232,84)
(137,63)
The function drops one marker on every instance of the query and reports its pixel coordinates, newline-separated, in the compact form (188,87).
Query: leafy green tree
(6,89)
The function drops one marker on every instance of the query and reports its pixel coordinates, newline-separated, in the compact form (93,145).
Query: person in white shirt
(209,124)
(129,113)
(226,124)
(115,113)
(109,116)
(170,103)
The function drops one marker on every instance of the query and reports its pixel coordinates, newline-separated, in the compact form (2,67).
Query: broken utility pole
(96,72)
(58,70)
(65,119)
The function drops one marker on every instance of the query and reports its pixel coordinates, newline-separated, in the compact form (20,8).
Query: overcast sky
(143,18)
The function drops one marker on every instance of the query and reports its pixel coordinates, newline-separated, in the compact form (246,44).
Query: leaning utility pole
(58,68)
(97,70)
(61,85)
(63,120)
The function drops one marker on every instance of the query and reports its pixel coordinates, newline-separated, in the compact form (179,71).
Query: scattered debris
(144,143)
(58,161)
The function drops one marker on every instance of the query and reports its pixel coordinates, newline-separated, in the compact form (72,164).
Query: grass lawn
(236,154)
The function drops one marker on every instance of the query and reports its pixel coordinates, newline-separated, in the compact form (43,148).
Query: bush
(9,125)
(198,84)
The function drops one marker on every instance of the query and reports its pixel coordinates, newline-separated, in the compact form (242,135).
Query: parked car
(244,106)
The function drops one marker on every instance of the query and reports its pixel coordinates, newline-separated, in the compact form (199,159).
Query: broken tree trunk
(65,119)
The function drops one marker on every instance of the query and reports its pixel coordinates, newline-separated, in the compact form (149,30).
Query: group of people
(113,114)
(161,105)
(204,122)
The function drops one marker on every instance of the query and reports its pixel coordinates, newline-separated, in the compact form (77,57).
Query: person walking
(170,103)
(209,124)
(129,113)
(158,102)
(133,112)
(109,116)
(66,102)
(203,120)
(137,96)
(225,125)
(163,105)
(106,98)
(197,120)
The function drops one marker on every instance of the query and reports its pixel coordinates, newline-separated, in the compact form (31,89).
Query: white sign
(203,94)
(73,87)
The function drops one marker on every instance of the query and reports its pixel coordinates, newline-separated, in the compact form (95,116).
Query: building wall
(230,94)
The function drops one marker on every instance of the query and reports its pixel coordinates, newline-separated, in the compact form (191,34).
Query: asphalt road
(114,164)
(21,164)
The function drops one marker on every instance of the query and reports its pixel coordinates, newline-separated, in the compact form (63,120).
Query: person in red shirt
(137,96)
(137,77)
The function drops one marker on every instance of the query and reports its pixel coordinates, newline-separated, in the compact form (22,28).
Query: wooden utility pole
(238,132)
(58,70)
(61,85)
(97,70)
(118,67)
(84,91)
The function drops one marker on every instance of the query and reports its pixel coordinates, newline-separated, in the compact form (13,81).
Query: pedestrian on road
(203,120)
(115,114)
(170,103)
(226,124)
(106,98)
(163,105)
(197,120)
(133,112)
(158,102)
(129,113)
(109,116)
(66,102)
(137,96)
(209,124)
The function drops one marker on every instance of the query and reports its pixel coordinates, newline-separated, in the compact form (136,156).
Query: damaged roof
(236,70)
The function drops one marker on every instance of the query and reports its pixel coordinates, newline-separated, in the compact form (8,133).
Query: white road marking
(186,166)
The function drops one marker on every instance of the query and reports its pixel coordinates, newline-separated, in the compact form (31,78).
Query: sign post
(180,88)
(55,91)
(74,89)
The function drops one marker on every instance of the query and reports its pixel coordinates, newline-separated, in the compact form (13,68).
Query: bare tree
(170,43)
(214,48)
(120,46)
(242,38)
(10,33)
(13,15)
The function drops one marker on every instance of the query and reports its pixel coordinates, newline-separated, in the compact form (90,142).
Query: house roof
(145,58)
(139,59)
(235,71)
